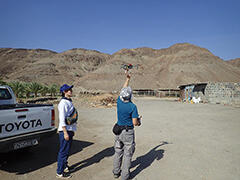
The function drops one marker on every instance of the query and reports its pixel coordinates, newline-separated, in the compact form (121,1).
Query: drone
(127,67)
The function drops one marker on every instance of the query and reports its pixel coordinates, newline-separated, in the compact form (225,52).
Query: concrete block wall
(223,93)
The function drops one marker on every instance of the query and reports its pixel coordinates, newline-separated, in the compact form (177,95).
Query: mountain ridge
(181,63)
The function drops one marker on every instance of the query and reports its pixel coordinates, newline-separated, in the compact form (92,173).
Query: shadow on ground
(45,154)
(94,159)
(143,162)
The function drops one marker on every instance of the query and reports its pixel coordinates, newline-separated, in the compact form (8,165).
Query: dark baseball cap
(65,87)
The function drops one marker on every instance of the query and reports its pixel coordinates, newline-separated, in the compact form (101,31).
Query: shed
(192,90)
(168,93)
(144,92)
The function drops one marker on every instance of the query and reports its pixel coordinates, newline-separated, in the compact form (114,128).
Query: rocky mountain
(156,68)
(235,62)
(164,68)
(48,67)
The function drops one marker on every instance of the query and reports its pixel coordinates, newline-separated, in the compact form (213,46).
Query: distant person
(127,115)
(67,127)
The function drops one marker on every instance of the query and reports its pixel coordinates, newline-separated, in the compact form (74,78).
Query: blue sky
(110,25)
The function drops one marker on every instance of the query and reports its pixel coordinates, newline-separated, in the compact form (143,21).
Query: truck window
(4,94)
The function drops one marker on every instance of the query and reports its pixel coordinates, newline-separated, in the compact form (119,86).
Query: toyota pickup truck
(23,125)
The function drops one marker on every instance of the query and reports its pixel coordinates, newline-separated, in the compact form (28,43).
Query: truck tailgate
(25,120)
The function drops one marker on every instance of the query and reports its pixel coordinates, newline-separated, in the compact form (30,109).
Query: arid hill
(157,68)
(48,67)
(235,62)
(164,68)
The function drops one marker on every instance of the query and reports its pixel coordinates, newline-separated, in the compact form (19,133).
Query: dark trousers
(64,150)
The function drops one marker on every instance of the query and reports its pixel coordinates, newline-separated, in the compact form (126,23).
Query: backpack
(72,118)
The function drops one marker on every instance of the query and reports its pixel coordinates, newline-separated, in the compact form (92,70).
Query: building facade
(212,92)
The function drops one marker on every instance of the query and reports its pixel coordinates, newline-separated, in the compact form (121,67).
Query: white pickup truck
(23,125)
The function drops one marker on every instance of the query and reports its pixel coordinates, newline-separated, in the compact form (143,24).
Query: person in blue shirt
(128,117)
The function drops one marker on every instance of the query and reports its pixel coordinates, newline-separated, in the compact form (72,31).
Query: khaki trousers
(124,148)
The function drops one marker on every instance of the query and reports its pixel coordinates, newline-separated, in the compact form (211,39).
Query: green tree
(35,88)
(27,89)
(2,82)
(53,89)
(17,88)
(44,90)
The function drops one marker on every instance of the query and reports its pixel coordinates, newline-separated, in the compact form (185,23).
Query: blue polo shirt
(125,112)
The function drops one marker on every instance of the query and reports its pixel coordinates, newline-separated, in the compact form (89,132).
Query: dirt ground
(177,141)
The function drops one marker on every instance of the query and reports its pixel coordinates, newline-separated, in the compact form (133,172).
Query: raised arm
(127,80)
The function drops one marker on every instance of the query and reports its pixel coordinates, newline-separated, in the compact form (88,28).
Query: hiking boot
(69,169)
(63,176)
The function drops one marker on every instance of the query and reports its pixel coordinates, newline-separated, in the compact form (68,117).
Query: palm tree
(27,89)
(44,90)
(35,88)
(17,88)
(53,89)
(2,82)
